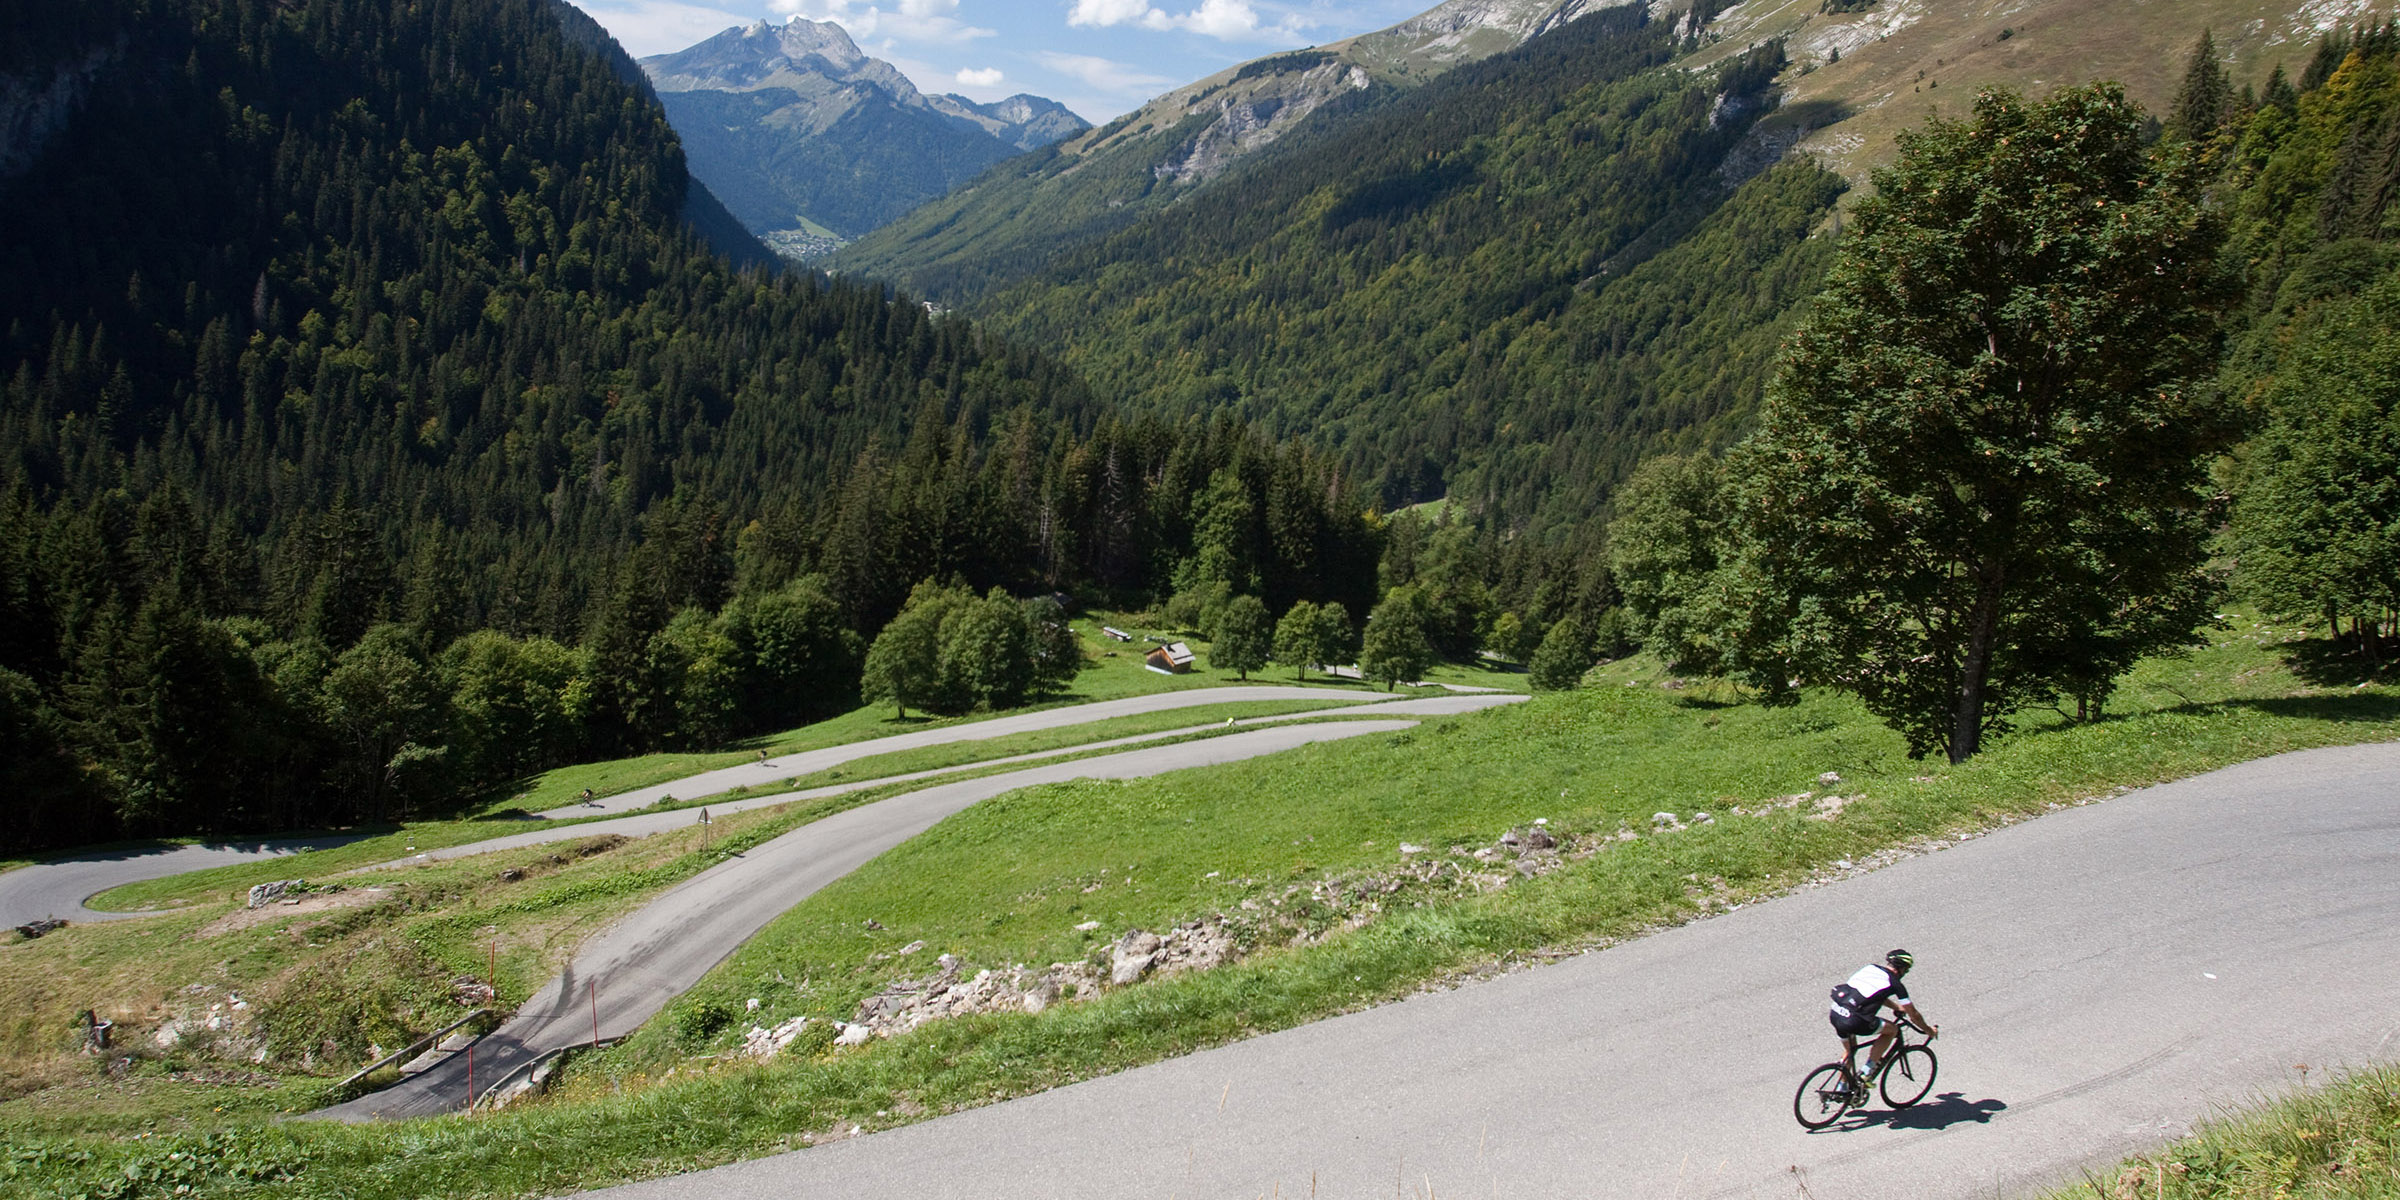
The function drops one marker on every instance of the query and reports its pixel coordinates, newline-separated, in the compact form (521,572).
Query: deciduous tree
(1244,635)
(1980,466)
(1394,649)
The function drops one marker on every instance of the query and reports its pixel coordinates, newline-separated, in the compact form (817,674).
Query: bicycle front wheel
(1823,1097)
(1909,1077)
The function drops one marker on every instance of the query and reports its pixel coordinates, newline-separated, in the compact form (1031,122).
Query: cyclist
(1858,1003)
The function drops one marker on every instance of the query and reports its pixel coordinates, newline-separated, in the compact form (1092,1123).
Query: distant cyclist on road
(1859,1001)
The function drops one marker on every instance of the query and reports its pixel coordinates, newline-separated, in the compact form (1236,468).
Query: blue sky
(1098,57)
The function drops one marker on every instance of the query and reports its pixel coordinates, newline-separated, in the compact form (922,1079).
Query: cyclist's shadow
(1940,1112)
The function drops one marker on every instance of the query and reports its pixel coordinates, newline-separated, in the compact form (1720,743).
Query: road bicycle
(1832,1090)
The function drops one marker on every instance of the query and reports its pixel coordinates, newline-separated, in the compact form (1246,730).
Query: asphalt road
(775,771)
(59,887)
(2103,976)
(631,970)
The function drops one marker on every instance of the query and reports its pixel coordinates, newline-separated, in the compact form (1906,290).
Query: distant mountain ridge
(811,141)
(1104,178)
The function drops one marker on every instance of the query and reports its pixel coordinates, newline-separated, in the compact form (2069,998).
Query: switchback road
(629,971)
(2103,976)
(59,887)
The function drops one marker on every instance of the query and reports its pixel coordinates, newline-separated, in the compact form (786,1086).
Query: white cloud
(1224,20)
(985,77)
(1109,12)
(907,20)
(1105,74)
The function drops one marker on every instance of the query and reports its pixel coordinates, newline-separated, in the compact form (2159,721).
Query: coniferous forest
(375,428)
(1505,286)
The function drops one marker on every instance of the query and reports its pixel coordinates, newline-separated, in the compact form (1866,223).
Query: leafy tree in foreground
(1394,650)
(1244,634)
(902,665)
(1978,479)
(985,653)
(1334,635)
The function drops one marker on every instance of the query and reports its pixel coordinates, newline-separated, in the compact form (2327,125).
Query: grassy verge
(1301,853)
(2341,1140)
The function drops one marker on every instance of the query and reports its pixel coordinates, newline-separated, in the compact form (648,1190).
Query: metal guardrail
(414,1049)
(488,1097)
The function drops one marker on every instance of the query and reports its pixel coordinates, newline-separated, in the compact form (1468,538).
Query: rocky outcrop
(213,1021)
(1251,122)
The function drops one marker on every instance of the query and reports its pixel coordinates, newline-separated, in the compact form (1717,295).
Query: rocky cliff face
(1250,106)
(1466,30)
(1249,123)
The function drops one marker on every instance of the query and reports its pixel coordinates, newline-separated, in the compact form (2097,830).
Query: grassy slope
(2342,1140)
(1015,873)
(1903,58)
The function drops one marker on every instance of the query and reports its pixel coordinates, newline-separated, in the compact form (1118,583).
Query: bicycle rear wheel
(1823,1097)
(1910,1076)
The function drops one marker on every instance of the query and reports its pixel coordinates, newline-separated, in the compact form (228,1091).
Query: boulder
(1042,996)
(264,894)
(1132,957)
(767,1043)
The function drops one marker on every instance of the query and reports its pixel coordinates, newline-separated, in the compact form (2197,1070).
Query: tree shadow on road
(1941,1112)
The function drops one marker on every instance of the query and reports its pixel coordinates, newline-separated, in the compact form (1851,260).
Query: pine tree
(2205,98)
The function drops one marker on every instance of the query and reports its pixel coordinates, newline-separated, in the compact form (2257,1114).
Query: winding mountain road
(60,886)
(808,762)
(2103,976)
(629,971)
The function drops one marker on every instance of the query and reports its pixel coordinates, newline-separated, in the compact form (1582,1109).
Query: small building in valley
(1174,658)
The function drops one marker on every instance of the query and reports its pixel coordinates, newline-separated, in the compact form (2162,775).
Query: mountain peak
(810,141)
(794,54)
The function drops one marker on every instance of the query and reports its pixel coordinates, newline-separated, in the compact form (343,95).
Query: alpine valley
(812,142)
(405,434)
